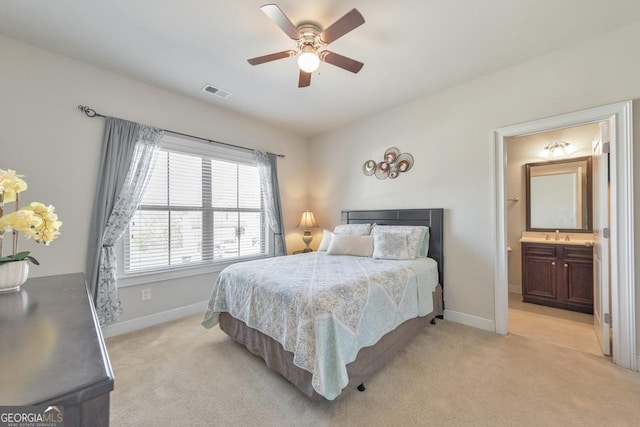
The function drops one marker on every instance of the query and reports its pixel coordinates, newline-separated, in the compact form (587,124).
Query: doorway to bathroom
(549,187)
(620,231)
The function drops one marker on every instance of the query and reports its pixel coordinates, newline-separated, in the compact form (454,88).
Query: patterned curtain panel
(268,171)
(128,157)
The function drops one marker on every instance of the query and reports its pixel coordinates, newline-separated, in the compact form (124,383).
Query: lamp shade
(307,220)
(308,60)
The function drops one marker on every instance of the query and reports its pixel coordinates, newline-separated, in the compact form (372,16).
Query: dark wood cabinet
(558,276)
(52,350)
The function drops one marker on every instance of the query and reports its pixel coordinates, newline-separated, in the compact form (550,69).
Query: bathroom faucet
(567,238)
(557,234)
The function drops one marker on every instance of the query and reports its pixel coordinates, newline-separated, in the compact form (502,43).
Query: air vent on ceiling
(216,91)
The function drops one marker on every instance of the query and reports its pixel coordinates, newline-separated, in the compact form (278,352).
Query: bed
(327,322)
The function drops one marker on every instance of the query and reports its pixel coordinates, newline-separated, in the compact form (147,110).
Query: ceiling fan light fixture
(311,40)
(308,60)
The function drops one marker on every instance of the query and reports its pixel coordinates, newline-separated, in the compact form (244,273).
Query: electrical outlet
(146,294)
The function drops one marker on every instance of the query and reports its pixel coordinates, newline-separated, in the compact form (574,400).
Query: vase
(13,275)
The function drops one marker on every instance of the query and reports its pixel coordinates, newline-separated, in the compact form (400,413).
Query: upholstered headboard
(432,218)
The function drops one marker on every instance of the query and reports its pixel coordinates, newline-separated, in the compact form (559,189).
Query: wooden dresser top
(51,346)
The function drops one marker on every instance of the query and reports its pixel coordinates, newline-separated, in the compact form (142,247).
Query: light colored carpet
(182,374)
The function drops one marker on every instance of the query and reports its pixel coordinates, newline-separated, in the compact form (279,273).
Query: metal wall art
(393,164)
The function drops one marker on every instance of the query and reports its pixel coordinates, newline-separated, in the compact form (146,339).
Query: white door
(600,170)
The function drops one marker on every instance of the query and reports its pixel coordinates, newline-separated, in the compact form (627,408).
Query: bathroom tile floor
(561,327)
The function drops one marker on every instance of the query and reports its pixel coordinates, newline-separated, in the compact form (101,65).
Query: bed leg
(433,321)
(361,387)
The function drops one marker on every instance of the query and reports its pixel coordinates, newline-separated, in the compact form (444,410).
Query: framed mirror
(559,195)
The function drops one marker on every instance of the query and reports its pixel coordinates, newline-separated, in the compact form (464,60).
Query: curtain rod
(90,112)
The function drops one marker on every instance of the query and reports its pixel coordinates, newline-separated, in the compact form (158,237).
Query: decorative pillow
(326,240)
(390,245)
(345,244)
(425,244)
(415,236)
(353,229)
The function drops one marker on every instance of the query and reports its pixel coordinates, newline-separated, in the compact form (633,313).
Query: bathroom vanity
(557,246)
(558,273)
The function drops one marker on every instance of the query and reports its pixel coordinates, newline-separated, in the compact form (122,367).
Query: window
(202,206)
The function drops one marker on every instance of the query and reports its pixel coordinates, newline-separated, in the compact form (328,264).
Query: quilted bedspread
(324,308)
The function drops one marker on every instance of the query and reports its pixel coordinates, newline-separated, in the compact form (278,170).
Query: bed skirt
(369,359)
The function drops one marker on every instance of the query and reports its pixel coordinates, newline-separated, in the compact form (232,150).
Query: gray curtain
(268,171)
(128,156)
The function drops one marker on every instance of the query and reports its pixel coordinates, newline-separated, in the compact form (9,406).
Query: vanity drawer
(579,252)
(539,249)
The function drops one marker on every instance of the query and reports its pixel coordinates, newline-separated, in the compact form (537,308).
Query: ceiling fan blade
(277,15)
(305,79)
(341,61)
(271,57)
(342,26)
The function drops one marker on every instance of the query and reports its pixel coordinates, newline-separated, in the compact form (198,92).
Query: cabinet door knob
(553,263)
(566,265)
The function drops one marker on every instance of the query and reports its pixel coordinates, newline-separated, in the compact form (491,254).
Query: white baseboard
(153,319)
(469,320)
(176,313)
(515,289)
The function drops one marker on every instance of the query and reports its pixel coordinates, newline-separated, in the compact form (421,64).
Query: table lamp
(307,221)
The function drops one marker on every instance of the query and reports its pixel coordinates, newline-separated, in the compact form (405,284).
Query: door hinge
(607,318)
(606,147)
(606,232)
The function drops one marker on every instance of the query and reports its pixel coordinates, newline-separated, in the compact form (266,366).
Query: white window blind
(197,210)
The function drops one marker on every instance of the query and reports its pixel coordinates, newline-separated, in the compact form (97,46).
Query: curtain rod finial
(88,111)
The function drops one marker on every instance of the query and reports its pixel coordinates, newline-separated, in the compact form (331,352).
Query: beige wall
(526,149)
(450,135)
(45,137)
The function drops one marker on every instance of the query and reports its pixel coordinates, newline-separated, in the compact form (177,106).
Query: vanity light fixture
(557,149)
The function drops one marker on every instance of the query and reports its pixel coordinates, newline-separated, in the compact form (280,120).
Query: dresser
(558,275)
(52,351)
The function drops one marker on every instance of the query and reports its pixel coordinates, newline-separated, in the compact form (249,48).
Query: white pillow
(353,229)
(326,240)
(415,236)
(390,245)
(345,244)
(424,250)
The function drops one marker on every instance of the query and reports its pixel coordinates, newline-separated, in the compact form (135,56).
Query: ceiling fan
(311,40)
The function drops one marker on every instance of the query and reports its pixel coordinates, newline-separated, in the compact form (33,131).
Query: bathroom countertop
(550,238)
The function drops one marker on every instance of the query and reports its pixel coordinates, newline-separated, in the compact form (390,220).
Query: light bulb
(557,149)
(308,60)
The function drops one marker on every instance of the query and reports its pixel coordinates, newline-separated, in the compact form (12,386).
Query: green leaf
(20,256)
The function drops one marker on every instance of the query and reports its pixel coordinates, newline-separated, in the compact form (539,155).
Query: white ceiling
(410,48)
